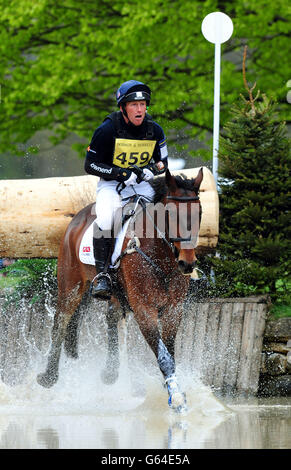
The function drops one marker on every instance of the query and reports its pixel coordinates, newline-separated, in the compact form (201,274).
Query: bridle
(181,199)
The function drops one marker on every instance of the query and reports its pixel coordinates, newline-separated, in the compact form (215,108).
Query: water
(80,412)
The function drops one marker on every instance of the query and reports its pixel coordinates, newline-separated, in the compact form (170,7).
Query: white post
(216,28)
(216,111)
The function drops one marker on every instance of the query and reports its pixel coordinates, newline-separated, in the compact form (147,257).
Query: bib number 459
(133,158)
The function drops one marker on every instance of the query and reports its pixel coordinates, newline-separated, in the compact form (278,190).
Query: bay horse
(152,281)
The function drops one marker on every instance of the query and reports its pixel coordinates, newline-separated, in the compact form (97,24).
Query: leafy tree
(61,61)
(255,201)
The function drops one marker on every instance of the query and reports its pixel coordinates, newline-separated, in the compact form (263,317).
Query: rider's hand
(147,175)
(131,180)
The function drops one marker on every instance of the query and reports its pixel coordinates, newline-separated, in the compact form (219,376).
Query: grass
(280,311)
(9,282)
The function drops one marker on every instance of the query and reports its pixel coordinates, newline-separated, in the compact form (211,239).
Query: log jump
(35,213)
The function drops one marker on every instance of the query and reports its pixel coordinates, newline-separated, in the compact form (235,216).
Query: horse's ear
(198,180)
(170,181)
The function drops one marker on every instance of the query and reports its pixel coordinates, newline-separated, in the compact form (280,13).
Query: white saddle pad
(86,254)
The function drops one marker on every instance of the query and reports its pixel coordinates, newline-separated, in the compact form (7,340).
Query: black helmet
(132,90)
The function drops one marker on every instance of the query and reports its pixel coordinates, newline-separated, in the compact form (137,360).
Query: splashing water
(82,412)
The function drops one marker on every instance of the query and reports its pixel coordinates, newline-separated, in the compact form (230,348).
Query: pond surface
(88,415)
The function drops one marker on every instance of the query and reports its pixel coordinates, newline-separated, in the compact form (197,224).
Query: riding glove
(131,180)
(147,175)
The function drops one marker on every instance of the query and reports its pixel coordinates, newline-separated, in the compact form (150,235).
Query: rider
(127,137)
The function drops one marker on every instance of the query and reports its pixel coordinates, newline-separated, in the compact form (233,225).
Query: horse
(151,281)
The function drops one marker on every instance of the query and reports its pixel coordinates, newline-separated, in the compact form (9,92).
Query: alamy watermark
(176,222)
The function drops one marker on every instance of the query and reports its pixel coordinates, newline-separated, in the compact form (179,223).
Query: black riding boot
(103,288)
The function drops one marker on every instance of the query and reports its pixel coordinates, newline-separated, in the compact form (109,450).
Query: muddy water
(81,412)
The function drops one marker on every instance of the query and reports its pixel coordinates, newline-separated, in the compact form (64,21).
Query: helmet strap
(123,105)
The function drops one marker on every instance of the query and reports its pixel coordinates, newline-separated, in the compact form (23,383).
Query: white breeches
(109,202)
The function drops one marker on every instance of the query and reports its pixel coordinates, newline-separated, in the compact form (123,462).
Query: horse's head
(184,214)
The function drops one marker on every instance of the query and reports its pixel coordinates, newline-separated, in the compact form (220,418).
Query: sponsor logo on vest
(102,170)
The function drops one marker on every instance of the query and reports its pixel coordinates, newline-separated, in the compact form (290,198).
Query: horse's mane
(161,189)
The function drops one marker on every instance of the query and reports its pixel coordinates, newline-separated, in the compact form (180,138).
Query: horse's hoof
(177,399)
(46,380)
(177,402)
(71,352)
(109,376)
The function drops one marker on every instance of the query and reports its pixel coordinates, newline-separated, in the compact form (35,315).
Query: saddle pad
(86,254)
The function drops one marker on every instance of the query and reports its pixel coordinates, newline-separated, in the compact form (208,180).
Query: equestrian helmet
(132,90)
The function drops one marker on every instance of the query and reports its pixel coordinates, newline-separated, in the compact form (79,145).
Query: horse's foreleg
(61,320)
(109,374)
(170,324)
(147,320)
(171,320)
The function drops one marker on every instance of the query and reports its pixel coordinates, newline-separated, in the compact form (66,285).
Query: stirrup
(98,277)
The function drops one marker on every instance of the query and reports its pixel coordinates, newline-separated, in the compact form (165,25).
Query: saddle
(86,255)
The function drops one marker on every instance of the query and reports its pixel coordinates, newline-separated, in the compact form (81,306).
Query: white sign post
(217,28)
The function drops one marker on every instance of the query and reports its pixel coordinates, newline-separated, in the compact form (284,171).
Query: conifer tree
(255,195)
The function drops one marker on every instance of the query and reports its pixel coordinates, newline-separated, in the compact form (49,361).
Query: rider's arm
(98,162)
(104,171)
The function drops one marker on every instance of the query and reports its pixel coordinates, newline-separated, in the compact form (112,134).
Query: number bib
(128,152)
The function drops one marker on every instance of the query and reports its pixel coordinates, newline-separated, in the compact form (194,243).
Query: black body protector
(129,150)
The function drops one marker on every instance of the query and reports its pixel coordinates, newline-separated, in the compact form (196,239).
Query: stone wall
(275,377)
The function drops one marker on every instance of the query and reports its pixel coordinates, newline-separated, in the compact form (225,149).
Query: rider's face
(136,111)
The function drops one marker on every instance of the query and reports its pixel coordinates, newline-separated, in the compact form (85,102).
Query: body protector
(129,151)
(116,146)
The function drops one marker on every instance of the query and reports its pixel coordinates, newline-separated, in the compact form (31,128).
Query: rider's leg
(107,203)
(102,250)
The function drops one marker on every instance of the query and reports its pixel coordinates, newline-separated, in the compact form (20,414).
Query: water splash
(82,412)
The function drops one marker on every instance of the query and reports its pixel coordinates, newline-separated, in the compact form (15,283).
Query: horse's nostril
(186,268)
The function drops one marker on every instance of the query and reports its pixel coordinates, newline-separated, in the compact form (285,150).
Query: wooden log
(199,337)
(234,345)
(187,329)
(247,345)
(211,334)
(222,345)
(221,340)
(34,213)
(261,313)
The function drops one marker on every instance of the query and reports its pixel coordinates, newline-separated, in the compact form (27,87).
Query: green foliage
(32,279)
(280,311)
(255,202)
(61,62)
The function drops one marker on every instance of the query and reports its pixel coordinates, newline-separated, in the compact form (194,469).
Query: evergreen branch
(249,90)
